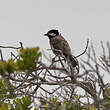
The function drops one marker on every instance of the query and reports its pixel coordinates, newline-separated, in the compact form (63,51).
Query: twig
(10,47)
(108,47)
(103,49)
(51,68)
(84,50)
(1,55)
(21,44)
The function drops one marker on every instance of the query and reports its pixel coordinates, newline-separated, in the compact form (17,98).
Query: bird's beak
(45,34)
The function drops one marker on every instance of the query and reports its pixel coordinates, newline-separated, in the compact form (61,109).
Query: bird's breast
(59,43)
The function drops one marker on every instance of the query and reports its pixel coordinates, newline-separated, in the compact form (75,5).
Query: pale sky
(28,20)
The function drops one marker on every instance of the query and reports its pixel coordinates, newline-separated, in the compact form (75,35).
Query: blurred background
(26,21)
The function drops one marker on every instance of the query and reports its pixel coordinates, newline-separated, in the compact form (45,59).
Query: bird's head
(52,33)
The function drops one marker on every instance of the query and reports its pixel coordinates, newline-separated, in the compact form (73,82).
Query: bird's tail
(72,61)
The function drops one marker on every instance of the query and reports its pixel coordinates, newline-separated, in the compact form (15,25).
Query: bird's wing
(61,44)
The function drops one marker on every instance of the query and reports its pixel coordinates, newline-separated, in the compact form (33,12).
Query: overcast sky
(77,20)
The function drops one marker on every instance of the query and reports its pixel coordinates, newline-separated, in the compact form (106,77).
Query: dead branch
(84,50)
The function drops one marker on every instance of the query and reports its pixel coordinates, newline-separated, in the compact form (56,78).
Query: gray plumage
(61,47)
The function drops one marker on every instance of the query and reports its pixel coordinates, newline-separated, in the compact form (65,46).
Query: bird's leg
(57,51)
(60,53)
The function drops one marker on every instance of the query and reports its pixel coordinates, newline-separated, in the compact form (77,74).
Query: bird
(60,47)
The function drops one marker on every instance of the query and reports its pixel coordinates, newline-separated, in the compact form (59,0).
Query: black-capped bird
(60,47)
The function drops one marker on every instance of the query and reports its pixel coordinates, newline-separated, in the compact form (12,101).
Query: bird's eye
(52,34)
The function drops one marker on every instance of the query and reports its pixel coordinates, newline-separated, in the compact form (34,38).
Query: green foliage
(4,106)
(6,91)
(3,89)
(19,104)
(28,58)
(55,104)
(107,93)
(22,104)
(7,67)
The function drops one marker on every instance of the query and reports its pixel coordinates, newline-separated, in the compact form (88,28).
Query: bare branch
(11,47)
(21,44)
(84,50)
(1,55)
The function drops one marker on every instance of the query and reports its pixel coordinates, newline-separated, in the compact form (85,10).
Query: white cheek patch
(51,34)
